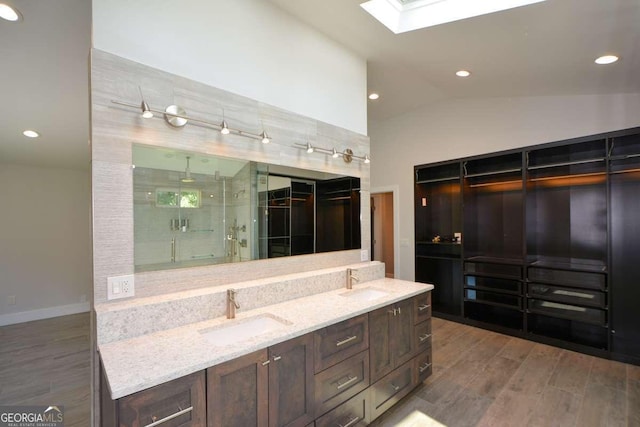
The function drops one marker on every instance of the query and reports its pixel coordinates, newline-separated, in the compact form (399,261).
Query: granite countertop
(135,364)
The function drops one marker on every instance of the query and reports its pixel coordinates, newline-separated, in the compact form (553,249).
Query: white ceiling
(543,49)
(44,84)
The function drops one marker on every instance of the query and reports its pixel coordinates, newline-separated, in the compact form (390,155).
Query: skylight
(401,16)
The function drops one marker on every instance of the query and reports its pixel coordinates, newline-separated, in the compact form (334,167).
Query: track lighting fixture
(347,154)
(224,129)
(265,137)
(310,148)
(146,111)
(367,160)
(335,154)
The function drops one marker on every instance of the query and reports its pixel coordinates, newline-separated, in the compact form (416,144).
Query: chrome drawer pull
(424,337)
(395,387)
(425,367)
(350,423)
(347,382)
(392,311)
(266,362)
(346,340)
(170,417)
(424,307)
(276,358)
(399,312)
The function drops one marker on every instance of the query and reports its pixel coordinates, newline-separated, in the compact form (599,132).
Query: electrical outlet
(364,255)
(120,287)
(11,300)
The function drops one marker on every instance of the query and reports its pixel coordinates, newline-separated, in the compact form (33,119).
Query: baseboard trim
(43,313)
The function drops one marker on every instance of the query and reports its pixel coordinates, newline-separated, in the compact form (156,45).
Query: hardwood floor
(46,362)
(482,378)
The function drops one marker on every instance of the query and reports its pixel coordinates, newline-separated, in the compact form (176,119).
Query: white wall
(249,47)
(461,128)
(45,242)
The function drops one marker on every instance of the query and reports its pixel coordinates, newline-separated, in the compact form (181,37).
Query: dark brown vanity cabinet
(550,237)
(177,403)
(271,387)
(392,337)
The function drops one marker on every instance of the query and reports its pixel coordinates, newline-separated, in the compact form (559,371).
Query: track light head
(265,137)
(367,160)
(310,148)
(224,128)
(335,154)
(146,111)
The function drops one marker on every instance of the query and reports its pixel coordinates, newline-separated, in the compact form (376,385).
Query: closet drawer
(490,269)
(352,413)
(423,336)
(493,298)
(493,284)
(567,311)
(567,295)
(423,366)
(340,382)
(579,279)
(422,307)
(338,342)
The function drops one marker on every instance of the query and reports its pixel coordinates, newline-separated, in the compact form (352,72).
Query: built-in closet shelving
(338,214)
(550,242)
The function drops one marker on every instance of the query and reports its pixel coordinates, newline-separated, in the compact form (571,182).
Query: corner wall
(468,127)
(45,262)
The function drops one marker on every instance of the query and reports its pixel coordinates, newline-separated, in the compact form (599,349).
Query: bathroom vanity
(341,357)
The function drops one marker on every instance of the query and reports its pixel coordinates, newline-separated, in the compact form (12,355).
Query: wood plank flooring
(46,362)
(482,378)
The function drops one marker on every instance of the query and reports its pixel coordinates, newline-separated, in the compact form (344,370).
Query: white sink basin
(365,294)
(244,329)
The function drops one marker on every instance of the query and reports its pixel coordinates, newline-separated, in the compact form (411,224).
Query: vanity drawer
(568,295)
(422,307)
(578,279)
(390,389)
(352,413)
(423,366)
(179,402)
(338,342)
(423,336)
(340,382)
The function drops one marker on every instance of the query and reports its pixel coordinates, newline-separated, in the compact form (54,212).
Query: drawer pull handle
(395,387)
(399,311)
(424,307)
(351,422)
(425,367)
(266,362)
(347,382)
(346,340)
(392,311)
(169,417)
(424,337)
(276,358)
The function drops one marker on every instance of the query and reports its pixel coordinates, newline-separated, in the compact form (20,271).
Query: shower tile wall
(204,239)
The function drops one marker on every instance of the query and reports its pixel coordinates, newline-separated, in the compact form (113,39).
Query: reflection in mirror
(194,209)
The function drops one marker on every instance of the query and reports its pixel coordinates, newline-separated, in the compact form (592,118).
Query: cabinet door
(238,392)
(179,402)
(380,333)
(403,338)
(291,382)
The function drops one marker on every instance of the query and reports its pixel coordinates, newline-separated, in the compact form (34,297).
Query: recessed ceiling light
(407,15)
(9,13)
(31,134)
(606,59)
(463,73)
(374,96)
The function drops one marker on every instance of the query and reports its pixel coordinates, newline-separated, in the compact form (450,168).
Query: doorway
(382,231)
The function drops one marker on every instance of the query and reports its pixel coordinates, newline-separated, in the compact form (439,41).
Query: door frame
(395,190)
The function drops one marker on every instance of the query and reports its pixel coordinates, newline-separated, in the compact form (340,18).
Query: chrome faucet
(232,305)
(350,278)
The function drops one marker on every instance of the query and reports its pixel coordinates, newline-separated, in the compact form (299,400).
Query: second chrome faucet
(232,305)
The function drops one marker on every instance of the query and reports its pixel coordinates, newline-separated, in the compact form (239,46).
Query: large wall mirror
(193,209)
